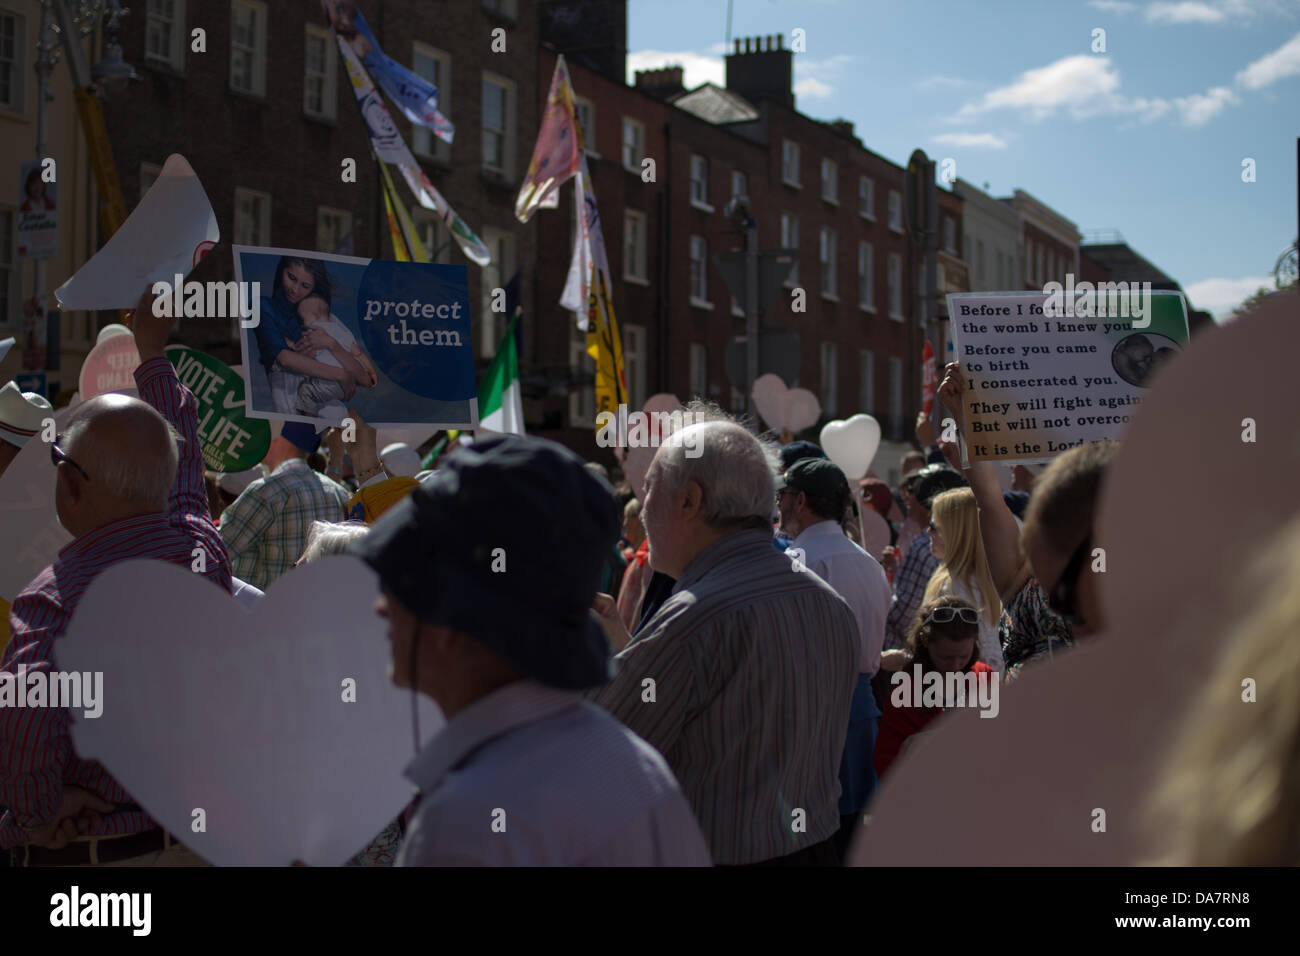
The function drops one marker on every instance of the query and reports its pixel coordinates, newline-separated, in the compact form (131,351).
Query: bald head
(128,450)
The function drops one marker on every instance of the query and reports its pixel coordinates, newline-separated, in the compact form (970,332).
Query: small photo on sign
(1138,355)
(329,333)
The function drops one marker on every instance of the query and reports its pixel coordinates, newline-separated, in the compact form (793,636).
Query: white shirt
(857,577)
(534,776)
(990,643)
(339,332)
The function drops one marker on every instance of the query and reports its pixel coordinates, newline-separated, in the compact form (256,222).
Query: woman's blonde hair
(957,517)
(1230,794)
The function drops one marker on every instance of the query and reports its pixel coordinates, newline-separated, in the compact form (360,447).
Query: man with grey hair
(124,490)
(743,677)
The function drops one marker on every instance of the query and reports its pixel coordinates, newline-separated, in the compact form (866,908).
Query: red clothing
(36,755)
(899,723)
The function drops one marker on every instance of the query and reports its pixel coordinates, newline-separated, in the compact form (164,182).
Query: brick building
(1050,242)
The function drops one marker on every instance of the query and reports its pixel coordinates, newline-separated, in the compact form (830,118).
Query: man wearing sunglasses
(129,484)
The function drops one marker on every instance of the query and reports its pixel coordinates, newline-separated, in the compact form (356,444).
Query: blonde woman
(963,570)
(1230,795)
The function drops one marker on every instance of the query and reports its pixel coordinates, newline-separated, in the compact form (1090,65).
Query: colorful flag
(391,148)
(559,147)
(929,379)
(415,96)
(500,405)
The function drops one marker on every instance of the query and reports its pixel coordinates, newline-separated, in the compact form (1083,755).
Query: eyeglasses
(58,456)
(932,528)
(1064,599)
(944,615)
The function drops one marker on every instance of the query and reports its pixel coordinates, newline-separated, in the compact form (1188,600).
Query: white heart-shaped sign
(247,716)
(638,459)
(32,531)
(851,444)
(784,409)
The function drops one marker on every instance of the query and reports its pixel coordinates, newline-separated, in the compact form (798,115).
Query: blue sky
(1147,138)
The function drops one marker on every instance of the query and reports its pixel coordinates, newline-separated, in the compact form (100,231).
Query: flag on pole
(415,96)
(500,404)
(400,252)
(559,147)
(390,148)
(929,379)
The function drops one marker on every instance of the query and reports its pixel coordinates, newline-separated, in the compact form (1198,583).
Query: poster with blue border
(324,333)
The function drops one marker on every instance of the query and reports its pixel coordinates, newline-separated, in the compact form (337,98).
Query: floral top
(1030,631)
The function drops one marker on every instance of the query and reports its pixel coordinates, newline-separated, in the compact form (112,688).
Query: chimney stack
(763,69)
(662,83)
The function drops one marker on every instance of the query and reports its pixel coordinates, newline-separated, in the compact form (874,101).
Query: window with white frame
(634,247)
(789,162)
(13,62)
(434,234)
(699,370)
(895,279)
(495,275)
(830,377)
(149,173)
(739,184)
(164,33)
(320,72)
(895,210)
(867,197)
(790,240)
(830,181)
(498,124)
(585,111)
(332,227)
(866,276)
(433,65)
(633,144)
(634,364)
(895,396)
(582,398)
(950,234)
(827,255)
(866,381)
(9,277)
(700,182)
(699,272)
(248,47)
(252,218)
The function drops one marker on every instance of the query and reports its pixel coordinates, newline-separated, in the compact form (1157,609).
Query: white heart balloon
(851,444)
(785,409)
(638,459)
(802,410)
(281,723)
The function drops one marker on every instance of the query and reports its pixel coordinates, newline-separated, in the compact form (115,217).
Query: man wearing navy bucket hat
(488,571)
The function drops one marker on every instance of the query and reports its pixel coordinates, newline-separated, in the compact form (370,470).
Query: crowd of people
(701,675)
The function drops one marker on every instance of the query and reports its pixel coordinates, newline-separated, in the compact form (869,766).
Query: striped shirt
(36,755)
(533,776)
(914,573)
(266,527)
(742,680)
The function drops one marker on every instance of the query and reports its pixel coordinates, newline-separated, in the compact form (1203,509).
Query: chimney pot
(780,41)
(737,42)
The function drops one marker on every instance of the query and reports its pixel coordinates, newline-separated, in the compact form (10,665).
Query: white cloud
(1268,69)
(812,88)
(1221,296)
(1112,6)
(1084,85)
(971,140)
(1184,11)
(938,81)
(698,67)
(1199,108)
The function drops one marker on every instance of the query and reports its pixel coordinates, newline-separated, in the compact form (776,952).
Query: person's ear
(692,499)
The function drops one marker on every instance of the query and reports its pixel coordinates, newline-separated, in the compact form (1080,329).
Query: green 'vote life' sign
(231,441)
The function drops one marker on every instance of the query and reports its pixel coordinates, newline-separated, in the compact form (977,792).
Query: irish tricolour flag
(500,407)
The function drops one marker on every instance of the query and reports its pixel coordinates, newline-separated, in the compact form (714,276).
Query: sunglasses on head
(58,456)
(945,615)
(1064,599)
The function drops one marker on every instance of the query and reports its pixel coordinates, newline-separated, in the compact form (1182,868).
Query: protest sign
(231,441)
(110,366)
(38,213)
(1040,381)
(390,339)
(280,723)
(165,236)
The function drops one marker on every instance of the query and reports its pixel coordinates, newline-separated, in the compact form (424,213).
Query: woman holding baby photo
(310,357)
